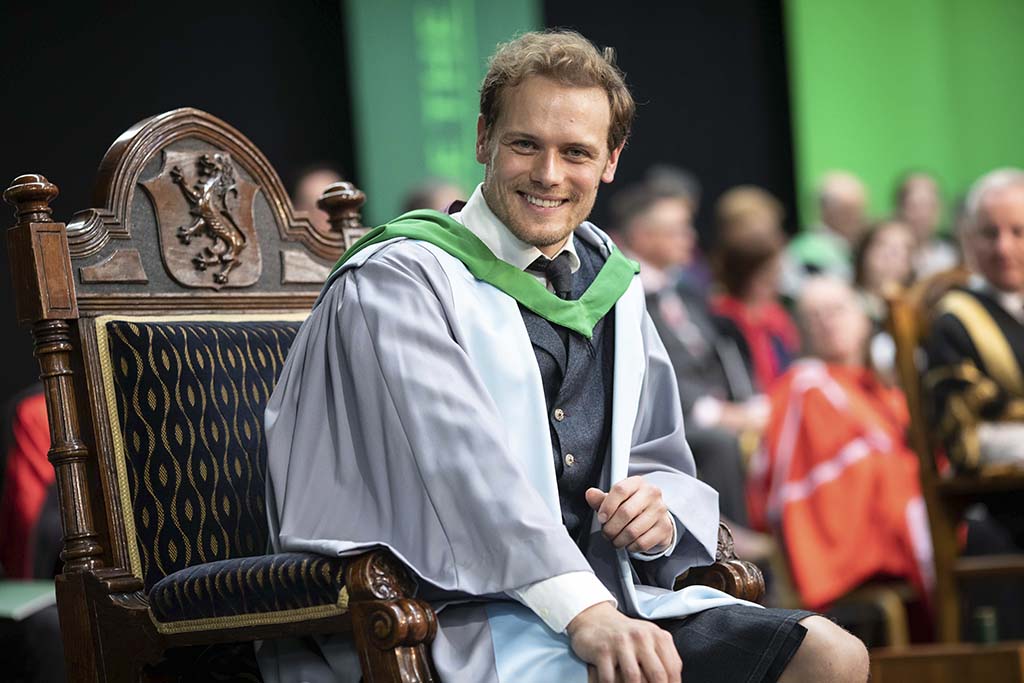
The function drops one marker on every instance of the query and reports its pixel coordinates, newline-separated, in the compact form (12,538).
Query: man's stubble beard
(505,213)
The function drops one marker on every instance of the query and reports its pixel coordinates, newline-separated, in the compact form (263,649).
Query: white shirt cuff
(559,599)
(648,556)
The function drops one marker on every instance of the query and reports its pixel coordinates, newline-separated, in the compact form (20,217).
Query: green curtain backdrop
(416,70)
(882,86)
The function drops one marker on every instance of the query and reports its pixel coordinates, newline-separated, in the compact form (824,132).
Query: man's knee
(827,653)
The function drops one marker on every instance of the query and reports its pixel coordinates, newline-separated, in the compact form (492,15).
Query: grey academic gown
(410,414)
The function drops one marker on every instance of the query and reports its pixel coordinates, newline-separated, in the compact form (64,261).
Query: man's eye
(524,145)
(575,153)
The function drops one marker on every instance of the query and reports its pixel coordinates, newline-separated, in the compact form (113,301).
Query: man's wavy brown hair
(563,56)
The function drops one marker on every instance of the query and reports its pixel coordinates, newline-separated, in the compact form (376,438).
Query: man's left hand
(633,515)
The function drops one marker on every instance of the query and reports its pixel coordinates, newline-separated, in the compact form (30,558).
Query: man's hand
(633,515)
(623,650)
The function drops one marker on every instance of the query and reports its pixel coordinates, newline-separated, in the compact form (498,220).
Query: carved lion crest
(205,212)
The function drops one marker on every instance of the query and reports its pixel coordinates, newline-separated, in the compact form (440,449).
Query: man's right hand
(619,649)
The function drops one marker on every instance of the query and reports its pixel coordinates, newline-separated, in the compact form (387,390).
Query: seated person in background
(715,388)
(747,261)
(976,344)
(835,477)
(828,246)
(883,265)
(918,203)
(309,187)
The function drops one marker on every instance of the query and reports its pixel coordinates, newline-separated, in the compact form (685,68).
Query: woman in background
(747,263)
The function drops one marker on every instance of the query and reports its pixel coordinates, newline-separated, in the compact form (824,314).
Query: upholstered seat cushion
(263,589)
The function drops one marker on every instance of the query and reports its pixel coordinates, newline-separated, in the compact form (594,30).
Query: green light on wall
(417,66)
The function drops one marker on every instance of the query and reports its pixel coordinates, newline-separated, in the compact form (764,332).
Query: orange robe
(836,479)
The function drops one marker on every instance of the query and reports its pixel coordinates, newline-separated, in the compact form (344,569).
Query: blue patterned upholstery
(190,397)
(248,586)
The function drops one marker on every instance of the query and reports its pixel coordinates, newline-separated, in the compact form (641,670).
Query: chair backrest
(910,316)
(162,318)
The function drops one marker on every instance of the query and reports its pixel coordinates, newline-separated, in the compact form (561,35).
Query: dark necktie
(558,271)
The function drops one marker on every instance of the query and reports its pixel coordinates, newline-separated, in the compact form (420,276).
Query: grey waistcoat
(577,378)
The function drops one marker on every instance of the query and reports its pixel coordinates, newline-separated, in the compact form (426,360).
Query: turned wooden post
(45,299)
(343,203)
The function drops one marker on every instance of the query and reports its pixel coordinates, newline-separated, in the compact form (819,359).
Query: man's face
(921,208)
(545,157)
(663,236)
(996,242)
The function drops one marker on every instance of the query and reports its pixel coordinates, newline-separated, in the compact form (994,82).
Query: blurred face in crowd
(663,235)
(921,207)
(996,240)
(837,326)
(843,205)
(308,191)
(545,156)
(888,259)
(763,286)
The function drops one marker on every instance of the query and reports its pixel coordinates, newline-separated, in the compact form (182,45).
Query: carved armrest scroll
(728,574)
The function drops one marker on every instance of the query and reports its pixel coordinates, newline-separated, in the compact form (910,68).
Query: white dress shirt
(559,599)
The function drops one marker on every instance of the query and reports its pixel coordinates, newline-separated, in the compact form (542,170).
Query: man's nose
(547,169)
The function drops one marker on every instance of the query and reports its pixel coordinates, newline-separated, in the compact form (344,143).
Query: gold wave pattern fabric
(252,586)
(190,397)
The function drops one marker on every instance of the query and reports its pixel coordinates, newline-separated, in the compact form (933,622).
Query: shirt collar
(1012,302)
(482,222)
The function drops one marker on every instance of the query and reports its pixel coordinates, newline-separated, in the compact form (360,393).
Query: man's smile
(542,202)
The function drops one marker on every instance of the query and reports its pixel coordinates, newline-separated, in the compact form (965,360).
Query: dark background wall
(710,82)
(710,78)
(77,75)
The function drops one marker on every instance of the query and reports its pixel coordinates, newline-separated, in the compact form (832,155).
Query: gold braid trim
(288,616)
(988,339)
(107,373)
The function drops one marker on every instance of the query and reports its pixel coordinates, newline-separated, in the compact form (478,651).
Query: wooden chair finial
(30,195)
(343,202)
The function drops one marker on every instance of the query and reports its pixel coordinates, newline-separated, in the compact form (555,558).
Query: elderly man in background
(835,477)
(828,247)
(976,345)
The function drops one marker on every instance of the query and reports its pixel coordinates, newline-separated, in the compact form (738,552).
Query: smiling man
(485,394)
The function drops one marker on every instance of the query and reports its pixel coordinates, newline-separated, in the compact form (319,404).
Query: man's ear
(613,163)
(482,154)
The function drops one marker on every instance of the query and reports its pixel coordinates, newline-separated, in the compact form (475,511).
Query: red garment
(836,478)
(770,334)
(27,477)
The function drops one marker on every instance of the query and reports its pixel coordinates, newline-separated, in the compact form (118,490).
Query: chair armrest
(728,574)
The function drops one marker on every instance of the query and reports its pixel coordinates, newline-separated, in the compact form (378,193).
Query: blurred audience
(976,346)
(835,478)
(747,260)
(432,193)
(918,203)
(716,390)
(828,247)
(672,180)
(883,265)
(311,184)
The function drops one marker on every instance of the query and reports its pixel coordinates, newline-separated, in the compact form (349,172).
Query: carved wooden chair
(947,494)
(161,320)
